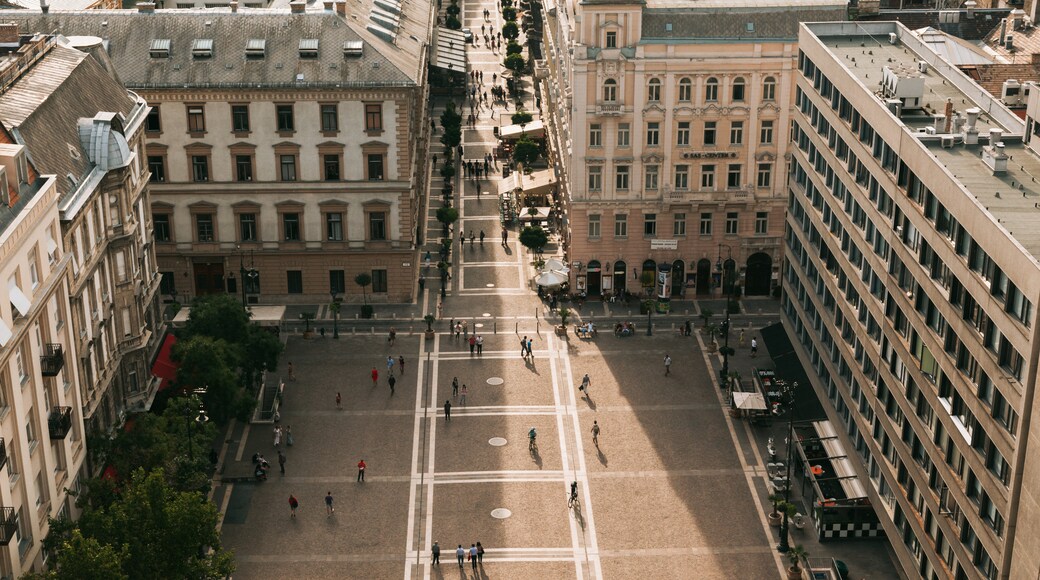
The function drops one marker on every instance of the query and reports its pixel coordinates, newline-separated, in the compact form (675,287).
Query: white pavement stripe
(303,479)
(668,474)
(416,450)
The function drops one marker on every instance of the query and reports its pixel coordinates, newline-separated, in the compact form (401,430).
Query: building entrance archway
(759,274)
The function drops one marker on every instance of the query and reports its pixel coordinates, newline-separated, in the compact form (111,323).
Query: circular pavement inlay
(486,315)
(478,325)
(501,513)
(495,381)
(490,285)
(497,441)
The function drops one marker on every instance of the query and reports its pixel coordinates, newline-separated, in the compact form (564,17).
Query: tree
(82,558)
(534,238)
(220,316)
(207,363)
(447,216)
(447,171)
(521,118)
(453,22)
(513,48)
(510,30)
(509,14)
(363,279)
(525,152)
(516,64)
(450,117)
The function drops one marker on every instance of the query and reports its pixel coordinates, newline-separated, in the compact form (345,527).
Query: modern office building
(910,284)
(674,124)
(287,148)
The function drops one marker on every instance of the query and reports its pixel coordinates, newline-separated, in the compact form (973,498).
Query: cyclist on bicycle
(531,435)
(574,491)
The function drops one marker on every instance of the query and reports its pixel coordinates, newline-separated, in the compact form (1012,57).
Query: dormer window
(309,48)
(611,39)
(160,48)
(353,48)
(202,48)
(256,49)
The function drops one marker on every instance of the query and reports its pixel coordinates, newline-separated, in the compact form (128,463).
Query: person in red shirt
(361,470)
(375,376)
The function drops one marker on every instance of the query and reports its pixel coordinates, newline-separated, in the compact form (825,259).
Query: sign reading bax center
(710,155)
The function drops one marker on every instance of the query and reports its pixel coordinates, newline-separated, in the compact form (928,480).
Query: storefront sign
(664,244)
(710,155)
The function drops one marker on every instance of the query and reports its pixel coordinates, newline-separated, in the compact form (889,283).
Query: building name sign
(664,244)
(710,155)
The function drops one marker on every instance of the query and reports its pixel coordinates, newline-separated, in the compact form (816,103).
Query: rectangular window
(379,285)
(288,166)
(152,123)
(611,39)
(732,222)
(595,178)
(709,132)
(595,135)
(331,165)
(761,222)
(247,227)
(650,224)
(679,224)
(733,176)
(682,133)
(240,118)
(329,118)
(204,227)
(199,168)
(766,134)
(286,122)
(291,226)
(705,224)
(375,167)
(334,227)
(196,119)
(620,226)
(765,175)
(374,117)
(594,226)
(621,178)
(157,168)
(682,177)
(707,177)
(337,281)
(653,134)
(623,135)
(243,167)
(377,225)
(168,284)
(736,133)
(650,183)
(161,225)
(294,281)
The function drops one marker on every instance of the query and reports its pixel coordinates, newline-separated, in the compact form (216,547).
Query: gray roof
(129,36)
(732,24)
(43,109)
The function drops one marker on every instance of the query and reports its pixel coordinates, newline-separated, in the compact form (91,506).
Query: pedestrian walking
(472,343)
(465,328)
(375,376)
(281,461)
(339,401)
(505,236)
(292,373)
(473,555)
(293,504)
(361,470)
(434,157)
(595,433)
(436,552)
(754,347)
(472,238)
(329,510)
(400,365)
(523,347)
(458,330)
(393,333)
(667,365)
(288,436)
(480,344)
(462,397)
(481,237)
(392,382)
(447,410)
(742,339)
(390,364)
(277,436)
(433,129)
(585,382)
(480,553)
(530,352)
(460,554)
(455,387)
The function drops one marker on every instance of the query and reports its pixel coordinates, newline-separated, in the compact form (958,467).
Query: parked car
(467,34)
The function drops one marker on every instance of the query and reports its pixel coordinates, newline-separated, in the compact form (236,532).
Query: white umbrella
(555,264)
(551,278)
(749,400)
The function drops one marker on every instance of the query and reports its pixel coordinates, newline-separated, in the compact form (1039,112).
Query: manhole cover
(478,325)
(495,381)
(501,513)
(490,285)
(486,315)
(497,441)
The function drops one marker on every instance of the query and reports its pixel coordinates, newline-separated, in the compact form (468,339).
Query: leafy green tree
(510,30)
(521,118)
(514,48)
(534,238)
(82,558)
(363,279)
(447,216)
(509,14)
(207,363)
(220,316)
(447,171)
(450,117)
(453,22)
(525,152)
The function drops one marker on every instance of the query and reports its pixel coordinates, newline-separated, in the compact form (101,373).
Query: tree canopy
(515,63)
(525,152)
(521,118)
(534,238)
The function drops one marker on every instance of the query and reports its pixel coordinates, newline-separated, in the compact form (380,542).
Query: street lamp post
(784,545)
(244,273)
(201,419)
(335,314)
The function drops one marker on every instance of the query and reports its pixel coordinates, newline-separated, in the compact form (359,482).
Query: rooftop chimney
(9,33)
(298,6)
(341,8)
(969,7)
(329,4)
(971,133)
(949,115)
(146,7)
(233,5)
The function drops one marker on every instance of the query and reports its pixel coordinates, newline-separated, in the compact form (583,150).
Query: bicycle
(572,500)
(532,446)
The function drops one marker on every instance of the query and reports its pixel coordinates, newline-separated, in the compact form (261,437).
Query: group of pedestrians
(475,554)
(525,348)
(458,395)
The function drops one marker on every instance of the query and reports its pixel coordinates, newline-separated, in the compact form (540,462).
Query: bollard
(496,327)
(353,330)
(356,315)
(673,326)
(373,329)
(411,330)
(394,316)
(516,329)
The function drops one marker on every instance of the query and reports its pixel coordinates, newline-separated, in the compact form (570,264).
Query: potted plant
(775,516)
(795,556)
(646,306)
(429,319)
(306,317)
(565,313)
(706,315)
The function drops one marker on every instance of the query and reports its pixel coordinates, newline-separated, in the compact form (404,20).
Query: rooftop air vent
(160,48)
(353,48)
(256,48)
(309,48)
(202,48)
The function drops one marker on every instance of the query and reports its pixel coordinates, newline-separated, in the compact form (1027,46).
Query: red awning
(164,367)
(110,473)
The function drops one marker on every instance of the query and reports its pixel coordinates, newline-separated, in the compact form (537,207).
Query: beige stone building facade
(675,130)
(285,147)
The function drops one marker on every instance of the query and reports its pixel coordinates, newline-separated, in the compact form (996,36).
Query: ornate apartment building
(675,129)
(286,148)
(82,321)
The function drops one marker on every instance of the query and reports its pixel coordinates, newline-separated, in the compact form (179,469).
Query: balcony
(52,359)
(3,453)
(59,422)
(8,525)
(609,108)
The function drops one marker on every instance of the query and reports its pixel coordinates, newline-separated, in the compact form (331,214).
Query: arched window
(685,89)
(653,90)
(738,90)
(769,89)
(610,91)
(711,90)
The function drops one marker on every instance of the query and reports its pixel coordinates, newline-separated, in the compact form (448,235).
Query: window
(240,118)
(709,132)
(291,226)
(653,90)
(595,135)
(705,224)
(650,183)
(765,175)
(650,224)
(288,166)
(738,90)
(621,178)
(244,167)
(707,177)
(682,133)
(769,89)
(30,430)
(337,281)
(594,226)
(168,284)
(761,222)
(653,133)
(294,281)
(247,227)
(765,135)
(19,364)
(595,178)
(286,122)
(620,226)
(204,227)
(196,119)
(199,168)
(157,167)
(711,90)
(610,91)
(733,176)
(152,123)
(736,133)
(377,225)
(682,177)
(329,118)
(375,167)
(374,117)
(685,90)
(334,227)
(331,165)
(623,134)
(679,224)
(611,39)
(161,225)
(732,221)
(379,285)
